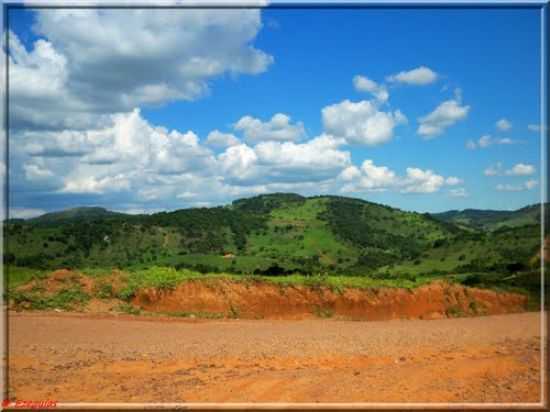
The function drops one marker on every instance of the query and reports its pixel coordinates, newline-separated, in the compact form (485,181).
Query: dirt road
(74,358)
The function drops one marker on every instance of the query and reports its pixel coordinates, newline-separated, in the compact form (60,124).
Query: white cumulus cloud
(528,185)
(94,62)
(278,128)
(487,141)
(315,160)
(361,122)
(218,139)
(521,169)
(374,178)
(445,115)
(364,84)
(453,181)
(422,181)
(503,125)
(418,77)
(459,192)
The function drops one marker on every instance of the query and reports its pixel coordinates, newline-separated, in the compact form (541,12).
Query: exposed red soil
(265,300)
(59,280)
(76,358)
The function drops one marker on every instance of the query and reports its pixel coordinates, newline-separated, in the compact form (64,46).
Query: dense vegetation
(283,234)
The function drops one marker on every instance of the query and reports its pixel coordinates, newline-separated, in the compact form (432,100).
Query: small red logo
(47,404)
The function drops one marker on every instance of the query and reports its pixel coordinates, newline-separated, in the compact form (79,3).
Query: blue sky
(421,109)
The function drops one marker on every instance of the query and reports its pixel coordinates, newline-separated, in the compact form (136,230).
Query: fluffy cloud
(528,185)
(458,192)
(279,128)
(139,166)
(114,158)
(418,77)
(535,128)
(503,125)
(361,122)
(315,160)
(139,57)
(445,115)
(92,184)
(375,178)
(67,143)
(350,173)
(239,162)
(135,163)
(218,139)
(371,177)
(521,169)
(364,84)
(422,181)
(35,171)
(453,181)
(38,89)
(486,141)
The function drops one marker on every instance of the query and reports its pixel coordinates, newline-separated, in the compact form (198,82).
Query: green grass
(297,231)
(67,299)
(17,276)
(104,291)
(168,278)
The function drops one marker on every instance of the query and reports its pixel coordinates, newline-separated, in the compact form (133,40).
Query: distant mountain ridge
(493,219)
(475,217)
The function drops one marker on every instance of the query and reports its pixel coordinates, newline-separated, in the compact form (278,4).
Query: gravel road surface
(77,357)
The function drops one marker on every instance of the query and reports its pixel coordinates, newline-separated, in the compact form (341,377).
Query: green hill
(277,234)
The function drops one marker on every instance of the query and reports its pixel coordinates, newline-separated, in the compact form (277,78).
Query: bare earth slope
(70,357)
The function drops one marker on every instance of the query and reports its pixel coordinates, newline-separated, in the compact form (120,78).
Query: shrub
(64,299)
(104,291)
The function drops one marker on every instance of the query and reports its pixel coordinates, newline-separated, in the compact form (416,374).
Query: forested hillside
(281,233)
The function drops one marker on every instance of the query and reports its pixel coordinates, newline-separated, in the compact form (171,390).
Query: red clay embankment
(255,300)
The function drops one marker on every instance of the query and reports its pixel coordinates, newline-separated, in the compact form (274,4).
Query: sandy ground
(72,358)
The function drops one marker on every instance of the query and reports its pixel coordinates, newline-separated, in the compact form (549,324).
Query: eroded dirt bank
(254,300)
(71,358)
